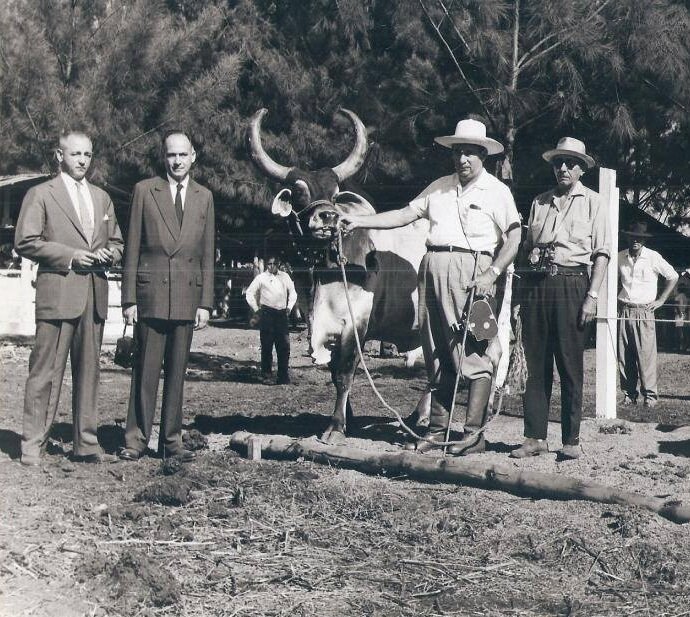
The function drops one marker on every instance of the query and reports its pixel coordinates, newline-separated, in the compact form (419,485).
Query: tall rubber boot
(477,411)
(438,421)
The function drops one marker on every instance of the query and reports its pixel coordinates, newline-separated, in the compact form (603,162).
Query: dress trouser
(274,330)
(159,343)
(637,351)
(550,331)
(443,296)
(80,338)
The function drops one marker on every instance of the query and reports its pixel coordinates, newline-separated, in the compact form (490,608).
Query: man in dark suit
(167,291)
(68,226)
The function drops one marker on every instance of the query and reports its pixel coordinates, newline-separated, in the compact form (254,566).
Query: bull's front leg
(343,365)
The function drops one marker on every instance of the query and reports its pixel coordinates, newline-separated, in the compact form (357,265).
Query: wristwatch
(593,294)
(495,270)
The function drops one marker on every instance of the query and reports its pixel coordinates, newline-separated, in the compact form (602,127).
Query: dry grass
(228,537)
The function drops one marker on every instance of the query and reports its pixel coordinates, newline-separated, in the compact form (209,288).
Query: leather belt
(449,248)
(556,270)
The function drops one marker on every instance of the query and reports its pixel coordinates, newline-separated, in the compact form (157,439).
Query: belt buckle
(450,248)
(553,269)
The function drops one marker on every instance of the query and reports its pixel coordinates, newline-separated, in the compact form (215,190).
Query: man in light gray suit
(67,225)
(167,290)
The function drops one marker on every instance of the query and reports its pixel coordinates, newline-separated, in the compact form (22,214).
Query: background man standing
(474,229)
(639,269)
(567,234)
(272,294)
(167,291)
(67,225)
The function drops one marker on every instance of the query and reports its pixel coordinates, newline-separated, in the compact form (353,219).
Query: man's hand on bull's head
(349,222)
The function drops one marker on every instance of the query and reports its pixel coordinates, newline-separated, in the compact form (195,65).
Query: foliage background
(613,73)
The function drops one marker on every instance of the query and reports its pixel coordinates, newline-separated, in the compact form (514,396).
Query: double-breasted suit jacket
(71,308)
(168,275)
(168,270)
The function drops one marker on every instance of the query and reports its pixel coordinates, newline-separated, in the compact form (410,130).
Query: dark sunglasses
(569,163)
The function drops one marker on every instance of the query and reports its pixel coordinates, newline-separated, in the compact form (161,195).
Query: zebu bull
(381,265)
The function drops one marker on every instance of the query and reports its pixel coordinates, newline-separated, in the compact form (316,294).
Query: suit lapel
(59,192)
(163,199)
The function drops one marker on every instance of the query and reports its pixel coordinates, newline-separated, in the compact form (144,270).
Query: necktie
(178,203)
(84,213)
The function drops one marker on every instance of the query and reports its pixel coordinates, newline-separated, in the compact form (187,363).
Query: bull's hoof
(333,436)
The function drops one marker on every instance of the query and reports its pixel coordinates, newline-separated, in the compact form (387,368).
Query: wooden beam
(607,332)
(458,471)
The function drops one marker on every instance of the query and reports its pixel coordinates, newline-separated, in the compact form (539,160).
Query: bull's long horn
(257,152)
(352,163)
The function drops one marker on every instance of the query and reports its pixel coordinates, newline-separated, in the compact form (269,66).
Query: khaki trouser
(443,296)
(637,351)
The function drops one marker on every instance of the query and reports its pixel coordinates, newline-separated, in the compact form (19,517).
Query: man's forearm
(598,272)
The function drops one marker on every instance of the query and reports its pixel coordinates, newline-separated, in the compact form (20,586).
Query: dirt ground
(226,536)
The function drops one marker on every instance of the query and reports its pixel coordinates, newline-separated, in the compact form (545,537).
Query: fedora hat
(569,146)
(470,132)
(637,229)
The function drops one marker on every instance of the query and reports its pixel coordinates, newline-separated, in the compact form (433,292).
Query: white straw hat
(569,146)
(470,132)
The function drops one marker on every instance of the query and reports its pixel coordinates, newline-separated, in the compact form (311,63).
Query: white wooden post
(607,336)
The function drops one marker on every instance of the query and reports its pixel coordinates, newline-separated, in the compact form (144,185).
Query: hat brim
(636,234)
(490,145)
(585,158)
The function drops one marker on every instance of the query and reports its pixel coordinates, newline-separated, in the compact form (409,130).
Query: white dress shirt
(71,185)
(474,216)
(276,291)
(639,277)
(173,188)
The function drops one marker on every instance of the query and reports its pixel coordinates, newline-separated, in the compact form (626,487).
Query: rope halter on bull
(508,363)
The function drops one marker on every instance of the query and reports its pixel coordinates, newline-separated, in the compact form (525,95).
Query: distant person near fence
(639,269)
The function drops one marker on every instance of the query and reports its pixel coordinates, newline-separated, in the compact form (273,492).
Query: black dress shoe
(130,454)
(94,459)
(183,455)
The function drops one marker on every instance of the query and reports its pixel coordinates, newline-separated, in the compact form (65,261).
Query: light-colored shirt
(276,291)
(577,226)
(639,277)
(473,217)
(72,190)
(173,188)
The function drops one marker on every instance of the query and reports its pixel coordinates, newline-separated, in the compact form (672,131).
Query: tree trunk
(459,471)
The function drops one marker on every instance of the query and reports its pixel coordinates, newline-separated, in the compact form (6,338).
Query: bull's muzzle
(328,218)
(324,224)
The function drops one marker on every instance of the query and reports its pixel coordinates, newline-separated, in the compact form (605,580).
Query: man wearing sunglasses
(272,295)
(568,236)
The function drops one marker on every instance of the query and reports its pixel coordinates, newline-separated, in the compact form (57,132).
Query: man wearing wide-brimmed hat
(473,220)
(569,240)
(639,269)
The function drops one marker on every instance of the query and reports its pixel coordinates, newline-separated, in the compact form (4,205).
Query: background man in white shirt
(639,269)
(272,294)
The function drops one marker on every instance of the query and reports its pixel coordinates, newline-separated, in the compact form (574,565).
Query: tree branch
(457,65)
(526,60)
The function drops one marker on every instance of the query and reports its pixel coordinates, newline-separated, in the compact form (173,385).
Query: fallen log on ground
(473,473)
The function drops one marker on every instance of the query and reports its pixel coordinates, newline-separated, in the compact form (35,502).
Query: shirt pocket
(581,231)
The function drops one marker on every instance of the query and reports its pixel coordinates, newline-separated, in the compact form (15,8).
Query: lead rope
(342,260)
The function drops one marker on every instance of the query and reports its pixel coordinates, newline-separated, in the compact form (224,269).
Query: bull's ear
(282,203)
(349,197)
